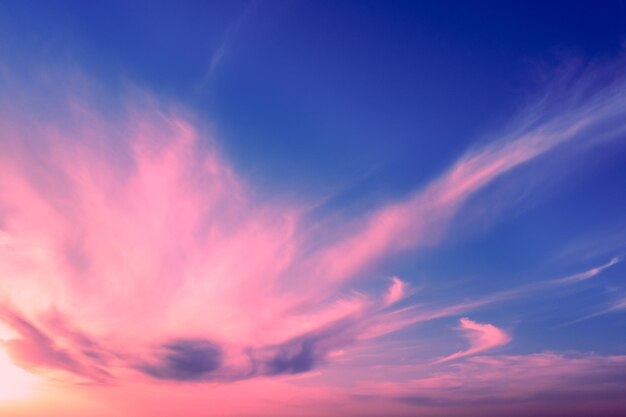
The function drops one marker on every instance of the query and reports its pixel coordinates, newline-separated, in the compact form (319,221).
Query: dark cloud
(294,357)
(304,353)
(185,360)
(201,359)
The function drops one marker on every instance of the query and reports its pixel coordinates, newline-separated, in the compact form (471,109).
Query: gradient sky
(324,208)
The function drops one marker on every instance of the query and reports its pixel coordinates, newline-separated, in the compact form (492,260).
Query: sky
(312,208)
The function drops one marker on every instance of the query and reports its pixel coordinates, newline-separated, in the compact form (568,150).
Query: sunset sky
(312,208)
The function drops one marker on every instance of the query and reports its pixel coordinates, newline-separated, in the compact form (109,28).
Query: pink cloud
(395,292)
(582,276)
(481,337)
(167,231)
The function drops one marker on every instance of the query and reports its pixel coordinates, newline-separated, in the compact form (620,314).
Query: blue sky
(473,151)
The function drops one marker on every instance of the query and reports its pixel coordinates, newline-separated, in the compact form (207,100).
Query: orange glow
(15,383)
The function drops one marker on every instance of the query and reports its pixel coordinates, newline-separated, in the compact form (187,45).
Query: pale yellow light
(15,383)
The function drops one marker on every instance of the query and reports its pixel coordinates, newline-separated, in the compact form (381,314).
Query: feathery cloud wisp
(481,337)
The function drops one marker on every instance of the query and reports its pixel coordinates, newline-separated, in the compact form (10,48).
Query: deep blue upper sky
(388,92)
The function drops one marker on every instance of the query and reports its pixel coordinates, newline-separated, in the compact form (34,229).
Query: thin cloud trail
(423,219)
(481,337)
(616,306)
(226,43)
(393,321)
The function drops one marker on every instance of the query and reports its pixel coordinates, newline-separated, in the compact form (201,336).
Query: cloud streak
(586,274)
(481,337)
(226,42)
(423,219)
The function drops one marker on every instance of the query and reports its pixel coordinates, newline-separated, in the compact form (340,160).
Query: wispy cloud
(481,337)
(226,43)
(586,274)
(424,218)
(396,291)
(393,321)
(615,306)
(65,350)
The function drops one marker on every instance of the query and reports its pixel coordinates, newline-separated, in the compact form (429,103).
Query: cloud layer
(131,250)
